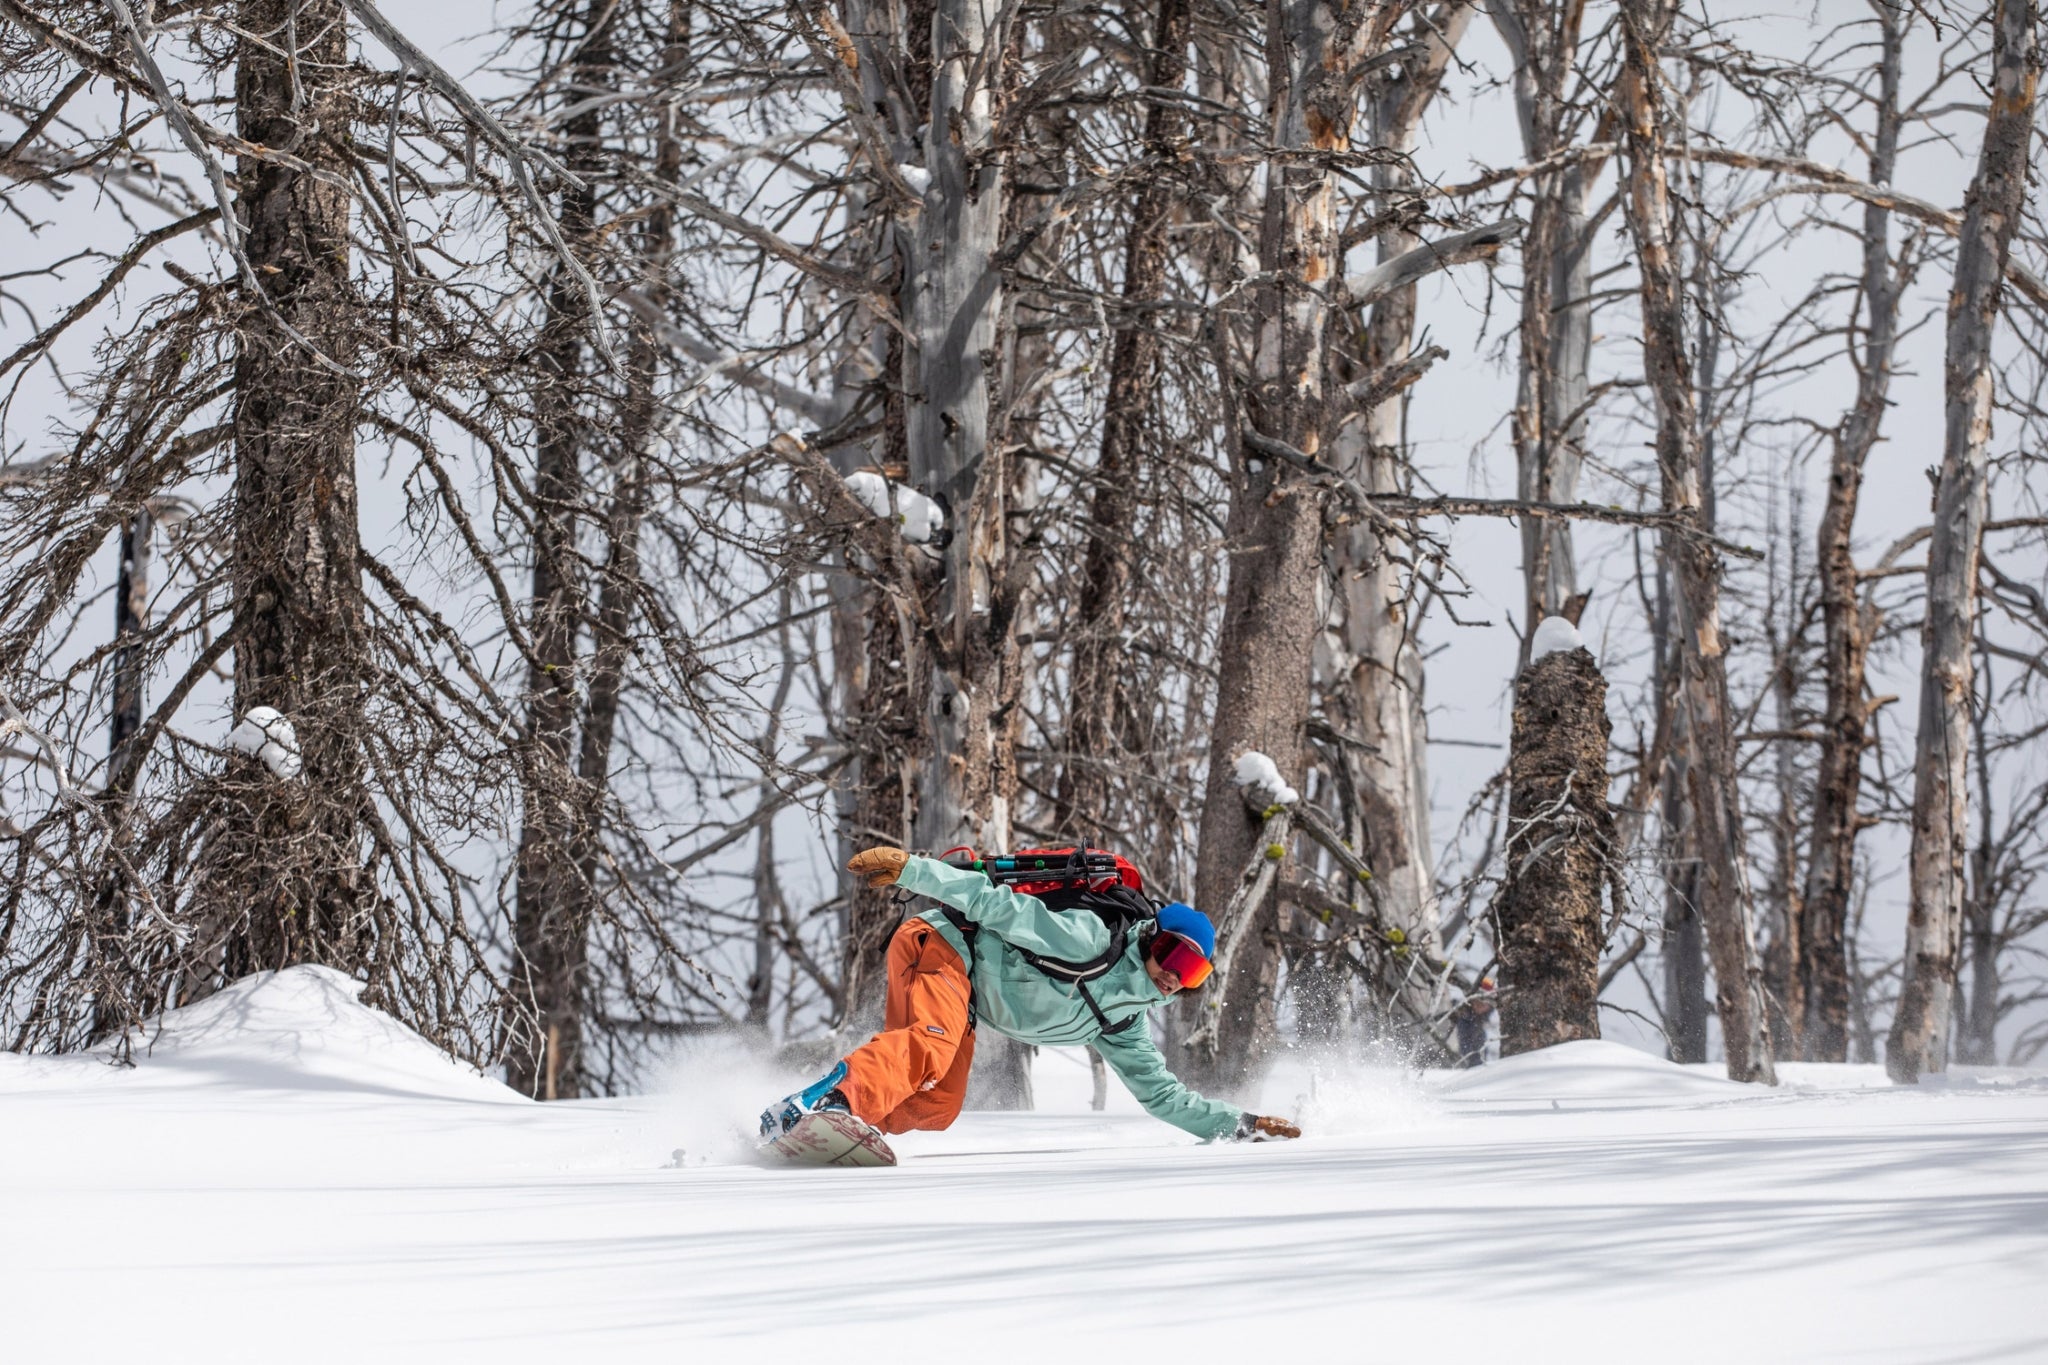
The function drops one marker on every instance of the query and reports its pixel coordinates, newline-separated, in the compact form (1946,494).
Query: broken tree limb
(1389,277)
(1254,883)
(1306,819)
(1816,178)
(1401,508)
(1378,387)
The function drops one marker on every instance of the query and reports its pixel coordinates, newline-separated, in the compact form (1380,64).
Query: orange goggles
(1179,954)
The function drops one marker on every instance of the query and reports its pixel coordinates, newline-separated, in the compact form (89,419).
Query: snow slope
(288,1176)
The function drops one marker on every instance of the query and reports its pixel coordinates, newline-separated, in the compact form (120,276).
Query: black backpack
(1069,881)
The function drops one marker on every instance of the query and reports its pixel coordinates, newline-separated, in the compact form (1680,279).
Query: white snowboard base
(831,1137)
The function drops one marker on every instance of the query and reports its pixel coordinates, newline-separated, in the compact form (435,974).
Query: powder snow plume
(1333,1094)
(712,1089)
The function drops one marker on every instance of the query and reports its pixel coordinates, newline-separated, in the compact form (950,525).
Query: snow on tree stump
(1560,840)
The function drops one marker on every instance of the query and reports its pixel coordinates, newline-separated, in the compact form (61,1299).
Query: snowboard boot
(822,1093)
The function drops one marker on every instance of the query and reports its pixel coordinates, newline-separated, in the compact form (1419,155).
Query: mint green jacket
(1017,1000)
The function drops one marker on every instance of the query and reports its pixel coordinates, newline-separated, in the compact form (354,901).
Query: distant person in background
(1470,1020)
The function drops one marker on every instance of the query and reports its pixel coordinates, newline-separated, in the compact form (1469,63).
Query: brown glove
(881,866)
(1261,1128)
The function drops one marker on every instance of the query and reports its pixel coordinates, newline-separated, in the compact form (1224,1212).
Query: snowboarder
(1470,1020)
(913,1074)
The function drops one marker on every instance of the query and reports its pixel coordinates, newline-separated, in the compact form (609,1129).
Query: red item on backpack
(1035,871)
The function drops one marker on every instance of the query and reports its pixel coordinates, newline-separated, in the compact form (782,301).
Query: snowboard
(830,1137)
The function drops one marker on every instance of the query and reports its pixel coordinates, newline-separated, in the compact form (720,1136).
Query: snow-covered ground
(291,1177)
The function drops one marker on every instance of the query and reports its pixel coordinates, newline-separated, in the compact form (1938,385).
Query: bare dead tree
(1554,390)
(358,312)
(945,423)
(1837,817)
(1313,61)
(1097,671)
(1559,853)
(1920,1028)
(1724,900)
(1374,688)
(550,928)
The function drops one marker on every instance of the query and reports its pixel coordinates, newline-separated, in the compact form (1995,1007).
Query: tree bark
(1997,197)
(1559,853)
(550,914)
(1684,950)
(1275,526)
(1092,731)
(295,887)
(131,618)
(1978,1043)
(967,785)
(1724,899)
(879,680)
(1845,623)
(1378,675)
(1556,333)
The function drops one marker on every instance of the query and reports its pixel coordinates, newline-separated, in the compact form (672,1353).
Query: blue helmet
(1191,924)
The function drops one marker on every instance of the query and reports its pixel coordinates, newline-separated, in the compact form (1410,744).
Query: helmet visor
(1179,954)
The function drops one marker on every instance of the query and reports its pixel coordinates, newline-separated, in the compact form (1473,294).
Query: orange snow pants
(913,1074)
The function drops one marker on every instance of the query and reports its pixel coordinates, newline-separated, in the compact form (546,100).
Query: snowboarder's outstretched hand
(1262,1128)
(881,866)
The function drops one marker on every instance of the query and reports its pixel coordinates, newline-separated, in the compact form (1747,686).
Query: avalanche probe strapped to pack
(1066,880)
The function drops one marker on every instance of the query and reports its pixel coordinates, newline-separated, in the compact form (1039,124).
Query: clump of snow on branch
(871,490)
(920,517)
(1554,635)
(266,735)
(1261,775)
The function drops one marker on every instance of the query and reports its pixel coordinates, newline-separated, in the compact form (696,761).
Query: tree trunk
(1919,1035)
(966,786)
(1275,526)
(1782,955)
(1978,1043)
(131,618)
(551,921)
(130,679)
(1845,624)
(968,781)
(1724,894)
(1092,739)
(771,910)
(1378,677)
(1684,950)
(1556,332)
(877,682)
(1559,854)
(294,885)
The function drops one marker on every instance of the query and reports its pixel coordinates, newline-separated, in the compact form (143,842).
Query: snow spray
(712,1088)
(1353,1092)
